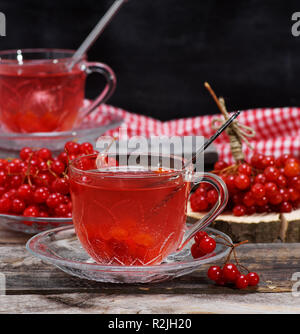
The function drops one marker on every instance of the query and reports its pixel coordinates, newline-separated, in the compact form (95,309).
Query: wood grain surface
(33,286)
(256,228)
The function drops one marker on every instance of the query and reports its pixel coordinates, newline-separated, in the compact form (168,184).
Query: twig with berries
(230,273)
(263,184)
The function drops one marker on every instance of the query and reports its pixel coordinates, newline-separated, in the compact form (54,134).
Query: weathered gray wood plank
(26,274)
(150,304)
(33,286)
(12,237)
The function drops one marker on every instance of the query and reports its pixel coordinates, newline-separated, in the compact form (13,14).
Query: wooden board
(33,286)
(260,228)
(27,274)
(102,303)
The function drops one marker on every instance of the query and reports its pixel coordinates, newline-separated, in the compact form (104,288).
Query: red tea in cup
(37,98)
(128,215)
(39,92)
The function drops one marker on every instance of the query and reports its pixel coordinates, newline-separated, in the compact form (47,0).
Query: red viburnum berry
(214,273)
(242,282)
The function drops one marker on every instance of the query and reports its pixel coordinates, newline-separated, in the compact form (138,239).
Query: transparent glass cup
(126,212)
(39,92)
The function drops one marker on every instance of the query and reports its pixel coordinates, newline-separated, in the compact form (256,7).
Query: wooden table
(33,286)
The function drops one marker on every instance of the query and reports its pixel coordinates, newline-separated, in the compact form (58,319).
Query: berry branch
(237,132)
(262,185)
(229,273)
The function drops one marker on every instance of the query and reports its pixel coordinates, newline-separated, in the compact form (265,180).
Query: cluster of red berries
(230,274)
(265,184)
(203,245)
(37,184)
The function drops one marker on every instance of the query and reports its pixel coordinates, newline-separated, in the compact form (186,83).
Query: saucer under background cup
(89,131)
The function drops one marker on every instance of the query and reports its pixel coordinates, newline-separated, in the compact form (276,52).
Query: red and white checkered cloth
(277,130)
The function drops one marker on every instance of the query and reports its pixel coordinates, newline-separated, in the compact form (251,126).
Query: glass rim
(21,219)
(67,54)
(104,173)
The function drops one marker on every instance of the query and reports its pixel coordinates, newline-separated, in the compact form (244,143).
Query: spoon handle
(212,138)
(94,34)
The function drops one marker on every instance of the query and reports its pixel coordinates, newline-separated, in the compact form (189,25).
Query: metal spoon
(95,33)
(211,139)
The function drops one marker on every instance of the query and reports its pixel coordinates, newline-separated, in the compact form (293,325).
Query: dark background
(162,51)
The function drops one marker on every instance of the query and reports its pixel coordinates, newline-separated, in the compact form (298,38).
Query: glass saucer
(32,225)
(89,131)
(61,248)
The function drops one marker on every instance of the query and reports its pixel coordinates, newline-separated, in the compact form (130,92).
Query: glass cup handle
(111,82)
(207,219)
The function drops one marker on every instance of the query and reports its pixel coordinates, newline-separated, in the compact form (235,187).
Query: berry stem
(237,262)
(227,170)
(233,247)
(49,163)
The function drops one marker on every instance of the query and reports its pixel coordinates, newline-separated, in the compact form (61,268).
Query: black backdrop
(163,50)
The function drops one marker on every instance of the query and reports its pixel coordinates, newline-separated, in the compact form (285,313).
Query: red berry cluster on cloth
(265,184)
(37,184)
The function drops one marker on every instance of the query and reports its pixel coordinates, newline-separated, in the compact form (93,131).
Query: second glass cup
(39,92)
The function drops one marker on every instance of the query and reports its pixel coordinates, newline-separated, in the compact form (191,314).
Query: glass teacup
(39,92)
(129,213)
